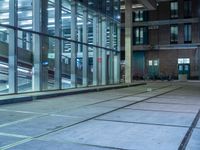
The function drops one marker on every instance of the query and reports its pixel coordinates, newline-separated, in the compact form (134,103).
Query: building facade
(165,41)
(58,44)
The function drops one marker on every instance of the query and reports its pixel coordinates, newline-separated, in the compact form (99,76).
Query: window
(187,33)
(184,61)
(140,35)
(174,34)
(174,9)
(154,62)
(150,62)
(187,8)
(139,16)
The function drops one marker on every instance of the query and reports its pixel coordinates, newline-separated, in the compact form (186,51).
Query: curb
(66,93)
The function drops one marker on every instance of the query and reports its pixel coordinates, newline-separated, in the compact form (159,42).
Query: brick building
(165,40)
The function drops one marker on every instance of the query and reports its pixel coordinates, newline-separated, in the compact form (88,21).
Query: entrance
(184,67)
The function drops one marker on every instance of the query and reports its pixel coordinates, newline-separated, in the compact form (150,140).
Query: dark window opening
(140,35)
(187,8)
(174,34)
(174,9)
(187,33)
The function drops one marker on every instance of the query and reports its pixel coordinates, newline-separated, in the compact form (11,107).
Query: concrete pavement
(156,116)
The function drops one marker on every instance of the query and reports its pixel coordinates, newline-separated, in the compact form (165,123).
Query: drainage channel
(188,134)
(91,118)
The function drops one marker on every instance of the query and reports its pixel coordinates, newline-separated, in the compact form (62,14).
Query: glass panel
(48,63)
(174,34)
(90,49)
(4,13)
(25,61)
(66,64)
(187,32)
(79,66)
(51,17)
(186,61)
(186,68)
(66,19)
(156,62)
(180,61)
(187,8)
(4,37)
(174,9)
(25,14)
(150,62)
(90,65)
(79,60)
(180,68)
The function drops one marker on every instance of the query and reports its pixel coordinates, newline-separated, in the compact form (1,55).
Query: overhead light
(137,6)
(134,6)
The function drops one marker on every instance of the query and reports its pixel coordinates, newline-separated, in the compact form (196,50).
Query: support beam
(128,41)
(117,57)
(74,46)
(104,52)
(198,49)
(149,4)
(37,68)
(100,51)
(44,44)
(85,47)
(111,68)
(12,54)
(58,52)
(95,49)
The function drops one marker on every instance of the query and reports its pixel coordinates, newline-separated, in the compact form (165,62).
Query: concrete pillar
(85,48)
(36,81)
(128,41)
(117,58)
(12,48)
(74,46)
(104,52)
(111,68)
(198,50)
(45,44)
(95,49)
(99,51)
(58,52)
(198,61)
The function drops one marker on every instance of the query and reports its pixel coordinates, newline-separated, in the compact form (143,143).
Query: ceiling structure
(142,4)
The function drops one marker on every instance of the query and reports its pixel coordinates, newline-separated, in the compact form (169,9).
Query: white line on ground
(14,135)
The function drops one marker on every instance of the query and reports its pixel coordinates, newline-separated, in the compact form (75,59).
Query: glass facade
(58,44)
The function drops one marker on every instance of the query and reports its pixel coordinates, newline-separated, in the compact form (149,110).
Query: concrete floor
(156,116)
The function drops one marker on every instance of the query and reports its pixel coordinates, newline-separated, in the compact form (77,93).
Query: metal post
(74,46)
(36,81)
(117,58)
(45,44)
(85,48)
(104,52)
(111,69)
(128,41)
(95,49)
(99,51)
(12,54)
(58,22)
